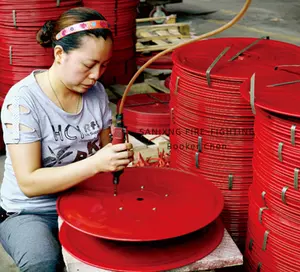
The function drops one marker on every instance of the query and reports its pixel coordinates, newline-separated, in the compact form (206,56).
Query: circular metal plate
(152,204)
(147,113)
(145,256)
(282,99)
(198,56)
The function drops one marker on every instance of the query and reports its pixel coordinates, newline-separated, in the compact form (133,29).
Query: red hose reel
(274,219)
(152,214)
(147,113)
(212,125)
(19,51)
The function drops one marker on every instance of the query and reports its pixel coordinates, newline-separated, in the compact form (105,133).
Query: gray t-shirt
(65,137)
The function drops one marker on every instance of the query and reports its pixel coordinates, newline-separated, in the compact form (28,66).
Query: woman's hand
(112,158)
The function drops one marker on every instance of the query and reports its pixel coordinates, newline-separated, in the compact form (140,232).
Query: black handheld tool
(118,137)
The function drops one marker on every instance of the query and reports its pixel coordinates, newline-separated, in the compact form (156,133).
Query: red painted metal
(142,256)
(167,82)
(147,113)
(152,204)
(282,244)
(121,15)
(271,211)
(270,174)
(119,72)
(19,51)
(197,57)
(34,4)
(219,115)
(163,63)
(278,99)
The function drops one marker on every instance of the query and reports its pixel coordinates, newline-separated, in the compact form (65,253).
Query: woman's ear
(58,54)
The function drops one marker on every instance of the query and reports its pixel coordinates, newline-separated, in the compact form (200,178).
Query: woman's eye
(88,66)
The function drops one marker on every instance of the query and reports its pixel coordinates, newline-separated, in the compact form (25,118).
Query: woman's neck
(57,85)
(54,88)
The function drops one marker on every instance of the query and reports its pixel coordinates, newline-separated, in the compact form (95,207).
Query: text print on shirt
(74,133)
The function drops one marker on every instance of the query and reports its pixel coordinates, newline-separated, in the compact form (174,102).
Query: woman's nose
(95,73)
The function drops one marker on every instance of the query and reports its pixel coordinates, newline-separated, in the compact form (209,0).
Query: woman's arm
(35,181)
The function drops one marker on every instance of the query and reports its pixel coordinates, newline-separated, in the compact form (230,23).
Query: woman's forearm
(51,180)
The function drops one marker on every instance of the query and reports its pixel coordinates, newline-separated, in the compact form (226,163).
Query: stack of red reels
(153,224)
(273,242)
(211,125)
(162,63)
(147,113)
(20,53)
(121,14)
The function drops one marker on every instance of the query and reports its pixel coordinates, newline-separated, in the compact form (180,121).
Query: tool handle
(118,136)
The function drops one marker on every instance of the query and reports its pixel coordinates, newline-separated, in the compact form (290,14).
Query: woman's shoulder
(25,88)
(97,94)
(97,89)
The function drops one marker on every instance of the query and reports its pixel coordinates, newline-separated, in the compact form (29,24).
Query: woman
(56,127)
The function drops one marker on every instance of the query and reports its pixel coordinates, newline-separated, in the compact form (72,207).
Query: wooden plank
(161,37)
(171,19)
(111,95)
(157,84)
(150,48)
(139,45)
(175,31)
(136,88)
(182,27)
(171,39)
(146,34)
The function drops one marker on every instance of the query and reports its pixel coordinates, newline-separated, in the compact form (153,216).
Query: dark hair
(46,35)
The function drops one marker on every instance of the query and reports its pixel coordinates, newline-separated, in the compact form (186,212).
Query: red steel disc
(271,174)
(147,113)
(143,256)
(219,106)
(167,82)
(162,63)
(152,204)
(282,99)
(198,56)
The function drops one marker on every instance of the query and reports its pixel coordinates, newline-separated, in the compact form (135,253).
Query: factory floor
(274,18)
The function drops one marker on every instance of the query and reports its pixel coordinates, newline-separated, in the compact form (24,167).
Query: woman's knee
(56,265)
(32,244)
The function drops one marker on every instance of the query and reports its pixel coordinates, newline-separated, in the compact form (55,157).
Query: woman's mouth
(87,86)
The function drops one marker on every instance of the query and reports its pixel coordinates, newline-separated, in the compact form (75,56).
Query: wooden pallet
(160,37)
(171,19)
(147,144)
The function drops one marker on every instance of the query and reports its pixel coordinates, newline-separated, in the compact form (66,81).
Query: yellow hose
(206,35)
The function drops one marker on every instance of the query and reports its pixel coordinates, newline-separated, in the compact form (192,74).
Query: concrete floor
(276,18)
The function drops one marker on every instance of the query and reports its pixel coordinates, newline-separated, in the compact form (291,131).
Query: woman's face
(81,68)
